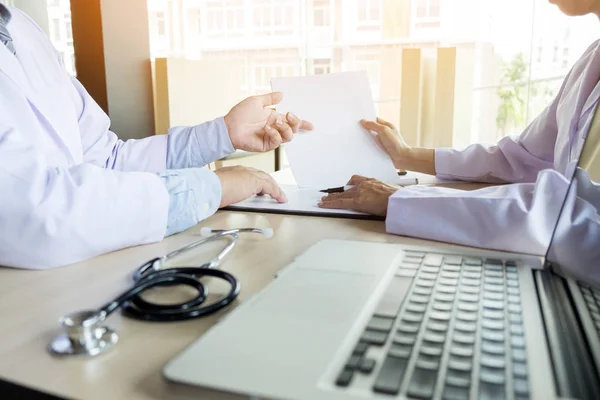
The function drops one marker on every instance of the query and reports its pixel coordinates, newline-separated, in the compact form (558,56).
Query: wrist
(417,159)
(229,127)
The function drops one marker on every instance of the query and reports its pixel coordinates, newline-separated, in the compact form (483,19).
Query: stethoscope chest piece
(84,335)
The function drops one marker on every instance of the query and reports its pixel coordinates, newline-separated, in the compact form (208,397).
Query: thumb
(270,99)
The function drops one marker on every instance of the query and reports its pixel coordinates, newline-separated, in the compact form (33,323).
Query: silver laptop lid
(574,248)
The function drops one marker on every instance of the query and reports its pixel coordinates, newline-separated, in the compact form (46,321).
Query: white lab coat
(69,189)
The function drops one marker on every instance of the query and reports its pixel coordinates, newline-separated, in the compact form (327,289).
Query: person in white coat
(71,190)
(537,165)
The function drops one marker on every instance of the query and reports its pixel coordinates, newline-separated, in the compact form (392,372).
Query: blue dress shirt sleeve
(194,195)
(196,146)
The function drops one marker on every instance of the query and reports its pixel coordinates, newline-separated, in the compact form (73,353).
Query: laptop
(363,320)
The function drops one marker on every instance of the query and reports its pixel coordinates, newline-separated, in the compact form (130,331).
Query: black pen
(341,189)
(337,189)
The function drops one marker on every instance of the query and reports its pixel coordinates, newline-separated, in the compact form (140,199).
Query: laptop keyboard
(592,301)
(458,333)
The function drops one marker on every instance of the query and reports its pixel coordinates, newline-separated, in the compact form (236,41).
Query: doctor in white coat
(537,165)
(71,190)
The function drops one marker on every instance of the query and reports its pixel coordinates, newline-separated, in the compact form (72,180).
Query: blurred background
(472,70)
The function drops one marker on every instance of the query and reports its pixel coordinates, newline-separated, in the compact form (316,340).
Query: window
(321,66)
(161,28)
(60,30)
(509,47)
(369,14)
(427,14)
(274,17)
(224,18)
(266,69)
(321,12)
(56,30)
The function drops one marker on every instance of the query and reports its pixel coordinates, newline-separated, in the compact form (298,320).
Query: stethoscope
(84,332)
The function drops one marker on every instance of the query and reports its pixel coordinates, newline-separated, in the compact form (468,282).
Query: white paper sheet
(338,147)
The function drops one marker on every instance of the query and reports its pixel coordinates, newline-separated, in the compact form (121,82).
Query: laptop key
(429,350)
(442,306)
(400,351)
(416,307)
(434,337)
(493,324)
(377,338)
(422,383)
(521,387)
(361,348)
(455,393)
(458,378)
(468,306)
(353,362)
(492,361)
(494,348)
(437,326)
(491,391)
(408,327)
(403,338)
(519,369)
(390,375)
(452,260)
(472,261)
(344,378)
(366,365)
(463,364)
(465,327)
(493,336)
(498,296)
(433,260)
(462,351)
(439,316)
(383,324)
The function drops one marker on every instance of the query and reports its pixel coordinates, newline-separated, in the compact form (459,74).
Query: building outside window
(321,12)
(427,13)
(512,46)
(61,31)
(369,14)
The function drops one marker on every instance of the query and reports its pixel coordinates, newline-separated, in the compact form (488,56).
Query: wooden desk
(32,301)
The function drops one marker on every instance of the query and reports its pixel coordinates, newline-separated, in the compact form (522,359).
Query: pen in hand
(341,189)
(337,189)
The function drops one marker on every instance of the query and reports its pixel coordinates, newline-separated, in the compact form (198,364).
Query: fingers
(356,179)
(297,124)
(267,185)
(373,126)
(345,204)
(270,99)
(306,126)
(285,130)
(386,123)
(273,137)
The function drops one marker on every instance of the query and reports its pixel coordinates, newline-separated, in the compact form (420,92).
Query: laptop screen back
(574,248)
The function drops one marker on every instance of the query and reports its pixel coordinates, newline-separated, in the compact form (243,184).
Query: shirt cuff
(196,146)
(194,195)
(443,163)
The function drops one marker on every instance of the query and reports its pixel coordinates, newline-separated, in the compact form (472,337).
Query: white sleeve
(54,216)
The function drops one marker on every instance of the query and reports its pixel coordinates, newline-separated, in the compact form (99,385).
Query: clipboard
(301,201)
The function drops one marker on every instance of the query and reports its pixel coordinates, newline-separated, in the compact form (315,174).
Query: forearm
(478,218)
(417,159)
(196,146)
